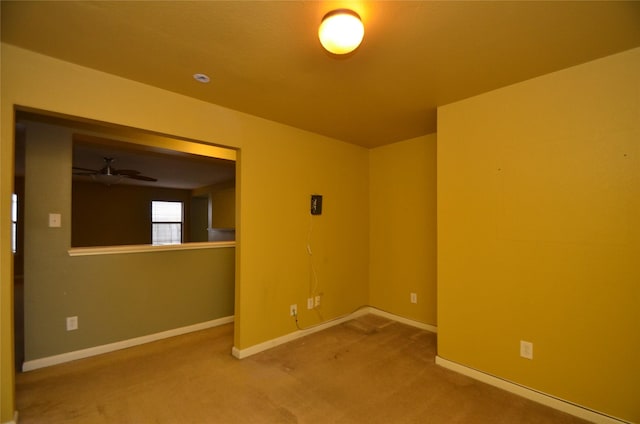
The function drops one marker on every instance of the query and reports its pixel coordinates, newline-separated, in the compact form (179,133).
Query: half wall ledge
(144,248)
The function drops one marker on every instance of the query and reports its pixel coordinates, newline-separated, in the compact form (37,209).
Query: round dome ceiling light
(201,78)
(341,31)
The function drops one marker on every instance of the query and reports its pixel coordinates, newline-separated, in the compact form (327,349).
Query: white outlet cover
(414,298)
(310,303)
(526,349)
(72,323)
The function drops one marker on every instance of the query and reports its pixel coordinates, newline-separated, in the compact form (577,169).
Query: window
(14,223)
(166,222)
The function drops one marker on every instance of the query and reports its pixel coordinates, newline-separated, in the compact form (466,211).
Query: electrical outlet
(317,301)
(310,303)
(414,298)
(72,323)
(526,349)
(293,310)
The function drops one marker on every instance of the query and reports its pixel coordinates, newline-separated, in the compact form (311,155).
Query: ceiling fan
(109,175)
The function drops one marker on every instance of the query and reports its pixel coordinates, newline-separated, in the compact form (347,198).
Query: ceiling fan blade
(85,169)
(129,172)
(140,177)
(109,170)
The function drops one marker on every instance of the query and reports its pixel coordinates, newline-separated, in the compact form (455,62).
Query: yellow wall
(275,226)
(518,256)
(403,228)
(539,233)
(279,168)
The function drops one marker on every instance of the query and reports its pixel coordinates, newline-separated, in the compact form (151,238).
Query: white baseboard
(531,394)
(413,323)
(15,419)
(98,350)
(260,347)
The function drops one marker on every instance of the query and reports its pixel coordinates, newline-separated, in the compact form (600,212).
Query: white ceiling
(264,57)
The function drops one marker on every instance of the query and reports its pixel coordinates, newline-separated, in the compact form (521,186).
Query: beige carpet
(369,370)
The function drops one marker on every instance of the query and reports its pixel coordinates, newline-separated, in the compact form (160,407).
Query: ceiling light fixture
(341,31)
(201,78)
(107,179)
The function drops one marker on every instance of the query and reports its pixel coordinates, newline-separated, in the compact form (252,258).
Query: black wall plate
(316,204)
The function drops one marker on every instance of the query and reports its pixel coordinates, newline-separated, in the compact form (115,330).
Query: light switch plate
(55,220)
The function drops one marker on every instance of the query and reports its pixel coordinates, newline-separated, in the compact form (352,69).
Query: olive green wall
(403,228)
(115,297)
(539,233)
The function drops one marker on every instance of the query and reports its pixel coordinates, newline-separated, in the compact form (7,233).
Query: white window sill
(140,248)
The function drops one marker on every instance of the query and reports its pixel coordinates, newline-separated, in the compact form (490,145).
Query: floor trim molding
(531,394)
(260,347)
(98,350)
(403,320)
(15,419)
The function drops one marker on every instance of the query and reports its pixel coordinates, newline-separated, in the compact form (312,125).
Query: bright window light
(14,223)
(166,222)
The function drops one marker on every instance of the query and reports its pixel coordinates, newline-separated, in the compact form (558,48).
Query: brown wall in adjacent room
(118,214)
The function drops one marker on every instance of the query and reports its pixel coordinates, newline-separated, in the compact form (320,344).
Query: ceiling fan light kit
(341,31)
(106,179)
